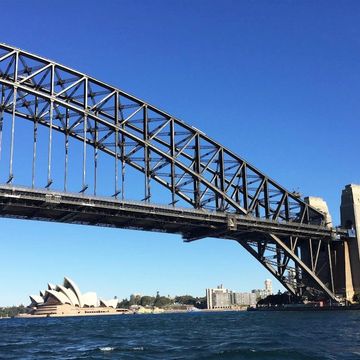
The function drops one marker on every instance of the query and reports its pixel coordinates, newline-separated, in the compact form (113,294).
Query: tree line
(11,311)
(163,301)
(279,299)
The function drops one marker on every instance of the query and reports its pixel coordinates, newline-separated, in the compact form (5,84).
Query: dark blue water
(230,335)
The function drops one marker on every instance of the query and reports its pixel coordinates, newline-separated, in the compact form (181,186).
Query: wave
(106,348)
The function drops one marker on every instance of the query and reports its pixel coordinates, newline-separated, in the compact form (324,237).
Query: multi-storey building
(221,298)
(259,293)
(291,277)
(268,287)
(244,299)
(218,298)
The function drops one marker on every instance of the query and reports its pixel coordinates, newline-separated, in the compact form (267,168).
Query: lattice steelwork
(191,168)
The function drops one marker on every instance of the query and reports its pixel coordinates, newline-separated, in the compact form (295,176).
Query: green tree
(162,301)
(201,302)
(279,299)
(123,304)
(135,300)
(185,300)
(147,300)
(12,311)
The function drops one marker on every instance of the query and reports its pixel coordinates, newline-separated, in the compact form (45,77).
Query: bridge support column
(322,260)
(348,264)
(321,205)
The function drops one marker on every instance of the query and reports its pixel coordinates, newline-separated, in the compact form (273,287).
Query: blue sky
(277,82)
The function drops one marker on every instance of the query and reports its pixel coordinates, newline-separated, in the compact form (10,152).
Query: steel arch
(189,164)
(218,176)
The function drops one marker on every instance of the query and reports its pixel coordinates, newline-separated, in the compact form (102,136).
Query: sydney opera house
(67,300)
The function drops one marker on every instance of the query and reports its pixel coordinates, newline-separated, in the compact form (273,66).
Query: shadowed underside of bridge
(186,182)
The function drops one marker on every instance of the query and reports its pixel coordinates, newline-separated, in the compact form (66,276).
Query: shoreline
(259,309)
(306,308)
(29,316)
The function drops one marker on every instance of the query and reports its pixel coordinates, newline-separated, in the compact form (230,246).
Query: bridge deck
(26,203)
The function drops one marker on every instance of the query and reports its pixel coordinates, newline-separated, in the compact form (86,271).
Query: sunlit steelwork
(207,189)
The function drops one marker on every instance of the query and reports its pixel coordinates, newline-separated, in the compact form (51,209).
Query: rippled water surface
(230,335)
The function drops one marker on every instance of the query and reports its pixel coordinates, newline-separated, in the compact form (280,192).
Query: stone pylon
(348,269)
(323,256)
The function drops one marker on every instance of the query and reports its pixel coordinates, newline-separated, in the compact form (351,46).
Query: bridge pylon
(347,253)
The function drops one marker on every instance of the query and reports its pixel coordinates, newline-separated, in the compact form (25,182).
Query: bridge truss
(205,189)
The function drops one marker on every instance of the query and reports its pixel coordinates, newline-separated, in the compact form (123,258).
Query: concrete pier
(323,272)
(321,205)
(345,255)
(349,270)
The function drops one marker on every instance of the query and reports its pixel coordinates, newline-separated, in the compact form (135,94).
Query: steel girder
(287,258)
(192,167)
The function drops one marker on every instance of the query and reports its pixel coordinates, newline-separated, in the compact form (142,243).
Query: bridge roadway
(49,205)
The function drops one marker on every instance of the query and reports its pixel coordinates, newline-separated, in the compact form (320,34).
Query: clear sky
(277,82)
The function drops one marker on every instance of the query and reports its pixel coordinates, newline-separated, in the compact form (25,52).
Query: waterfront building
(263,293)
(291,277)
(218,298)
(243,299)
(221,298)
(67,299)
(259,293)
(268,287)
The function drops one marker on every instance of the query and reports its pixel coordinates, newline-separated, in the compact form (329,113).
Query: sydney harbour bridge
(76,150)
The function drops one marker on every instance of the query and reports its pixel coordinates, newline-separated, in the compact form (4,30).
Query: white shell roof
(89,299)
(63,299)
(109,303)
(69,294)
(51,286)
(36,299)
(68,283)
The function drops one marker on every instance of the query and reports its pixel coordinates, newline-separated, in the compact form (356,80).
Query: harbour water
(222,335)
